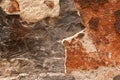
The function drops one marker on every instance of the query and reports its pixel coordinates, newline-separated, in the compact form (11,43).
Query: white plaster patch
(71,37)
(86,41)
(109,55)
(56,74)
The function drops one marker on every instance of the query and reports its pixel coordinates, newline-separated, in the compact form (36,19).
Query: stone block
(32,11)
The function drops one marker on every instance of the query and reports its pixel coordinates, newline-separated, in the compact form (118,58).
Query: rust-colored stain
(103,26)
(17,35)
(117,21)
(50,4)
(94,23)
(14,7)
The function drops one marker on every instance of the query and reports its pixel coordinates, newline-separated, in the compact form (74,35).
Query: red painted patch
(106,39)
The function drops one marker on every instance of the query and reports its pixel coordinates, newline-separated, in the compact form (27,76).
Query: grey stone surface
(42,45)
(54,65)
(117,77)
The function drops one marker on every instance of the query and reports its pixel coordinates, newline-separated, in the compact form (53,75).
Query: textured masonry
(99,44)
(43,57)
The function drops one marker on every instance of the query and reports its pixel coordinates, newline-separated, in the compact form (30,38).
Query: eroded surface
(102,27)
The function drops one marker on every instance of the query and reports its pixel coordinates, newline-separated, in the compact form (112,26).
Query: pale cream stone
(5,4)
(35,10)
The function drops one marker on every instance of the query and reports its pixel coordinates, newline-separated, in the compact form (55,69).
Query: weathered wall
(32,32)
